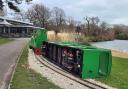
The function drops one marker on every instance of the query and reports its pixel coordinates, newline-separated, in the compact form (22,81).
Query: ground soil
(120,54)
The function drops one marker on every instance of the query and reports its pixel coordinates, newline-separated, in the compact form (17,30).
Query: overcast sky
(111,11)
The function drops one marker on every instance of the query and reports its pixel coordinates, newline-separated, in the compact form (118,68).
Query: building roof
(5,18)
(27,26)
(11,23)
(4,22)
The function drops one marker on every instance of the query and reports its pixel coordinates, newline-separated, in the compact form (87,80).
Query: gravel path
(56,78)
(8,56)
(52,76)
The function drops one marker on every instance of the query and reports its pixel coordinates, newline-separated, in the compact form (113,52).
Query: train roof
(72,45)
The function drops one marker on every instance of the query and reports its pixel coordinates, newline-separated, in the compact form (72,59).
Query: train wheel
(37,51)
(30,47)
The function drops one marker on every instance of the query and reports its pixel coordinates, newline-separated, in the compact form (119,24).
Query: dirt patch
(120,54)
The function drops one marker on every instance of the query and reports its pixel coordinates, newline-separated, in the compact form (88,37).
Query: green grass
(25,78)
(119,74)
(4,40)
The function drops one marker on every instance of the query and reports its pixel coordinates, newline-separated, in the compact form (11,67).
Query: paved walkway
(8,55)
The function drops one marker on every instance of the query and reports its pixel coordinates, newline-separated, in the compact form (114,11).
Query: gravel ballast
(59,80)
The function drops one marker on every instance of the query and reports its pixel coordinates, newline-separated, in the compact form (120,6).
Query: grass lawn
(4,40)
(25,78)
(119,74)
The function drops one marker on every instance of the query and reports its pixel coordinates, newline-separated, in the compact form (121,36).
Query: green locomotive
(81,60)
(39,35)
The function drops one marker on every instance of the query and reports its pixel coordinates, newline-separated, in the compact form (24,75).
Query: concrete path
(8,56)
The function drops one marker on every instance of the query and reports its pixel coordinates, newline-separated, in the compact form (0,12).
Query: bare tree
(94,26)
(20,16)
(39,15)
(71,23)
(58,17)
(103,25)
(88,19)
(12,5)
(95,20)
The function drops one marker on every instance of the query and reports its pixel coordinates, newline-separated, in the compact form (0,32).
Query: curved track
(59,70)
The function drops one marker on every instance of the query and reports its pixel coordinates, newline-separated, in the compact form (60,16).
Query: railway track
(64,73)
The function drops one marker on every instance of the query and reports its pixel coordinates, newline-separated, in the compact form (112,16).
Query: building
(1,12)
(15,28)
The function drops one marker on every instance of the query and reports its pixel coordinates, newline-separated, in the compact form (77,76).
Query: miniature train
(81,60)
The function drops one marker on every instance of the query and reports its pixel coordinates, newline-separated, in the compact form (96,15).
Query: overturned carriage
(83,61)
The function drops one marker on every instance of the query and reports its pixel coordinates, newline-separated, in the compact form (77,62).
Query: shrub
(122,36)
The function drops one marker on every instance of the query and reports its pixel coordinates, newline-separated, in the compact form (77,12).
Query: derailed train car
(81,60)
(84,61)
